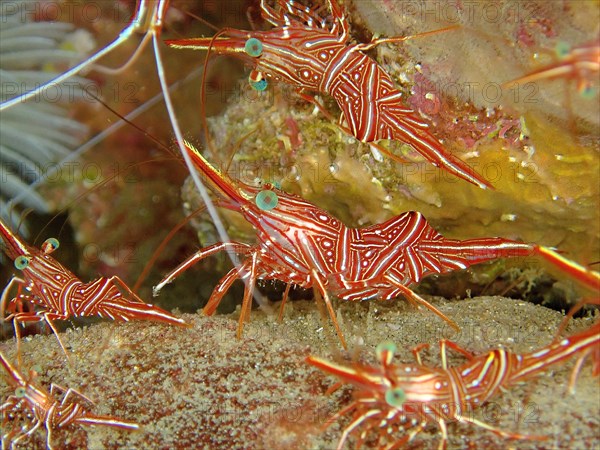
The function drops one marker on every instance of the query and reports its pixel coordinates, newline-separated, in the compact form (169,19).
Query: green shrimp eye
(266,200)
(588,92)
(20,392)
(50,245)
(395,397)
(253,47)
(562,49)
(21,262)
(259,85)
(257,81)
(385,351)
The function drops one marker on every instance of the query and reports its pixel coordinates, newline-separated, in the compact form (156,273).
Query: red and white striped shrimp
(594,352)
(314,54)
(405,398)
(299,243)
(43,408)
(61,295)
(581,63)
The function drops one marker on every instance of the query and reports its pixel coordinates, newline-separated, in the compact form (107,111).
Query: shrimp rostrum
(395,402)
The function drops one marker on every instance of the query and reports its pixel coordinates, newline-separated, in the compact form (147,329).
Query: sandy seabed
(203,388)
